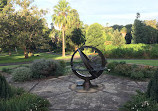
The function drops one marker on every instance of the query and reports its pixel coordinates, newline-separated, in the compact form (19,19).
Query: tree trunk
(10,53)
(63,44)
(25,53)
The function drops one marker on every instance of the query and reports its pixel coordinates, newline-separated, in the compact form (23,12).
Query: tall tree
(95,36)
(60,18)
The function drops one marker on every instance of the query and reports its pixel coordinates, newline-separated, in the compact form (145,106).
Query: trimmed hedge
(144,51)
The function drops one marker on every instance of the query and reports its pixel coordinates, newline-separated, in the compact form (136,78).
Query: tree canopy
(95,36)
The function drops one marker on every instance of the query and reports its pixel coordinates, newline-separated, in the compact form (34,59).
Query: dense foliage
(147,101)
(140,102)
(15,99)
(95,36)
(145,32)
(44,67)
(38,69)
(5,89)
(22,74)
(132,71)
(24,102)
(152,91)
(143,51)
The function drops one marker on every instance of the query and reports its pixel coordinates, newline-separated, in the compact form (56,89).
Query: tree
(138,32)
(128,38)
(124,31)
(144,32)
(95,36)
(117,38)
(74,33)
(137,15)
(60,18)
(30,25)
(2,4)
(8,28)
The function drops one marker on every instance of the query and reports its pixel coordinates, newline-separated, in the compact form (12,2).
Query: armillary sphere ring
(90,67)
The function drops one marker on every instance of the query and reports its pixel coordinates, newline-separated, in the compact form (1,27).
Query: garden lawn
(20,57)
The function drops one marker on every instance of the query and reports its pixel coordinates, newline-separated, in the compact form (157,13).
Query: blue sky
(119,12)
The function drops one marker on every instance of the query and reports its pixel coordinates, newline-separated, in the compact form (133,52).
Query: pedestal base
(86,87)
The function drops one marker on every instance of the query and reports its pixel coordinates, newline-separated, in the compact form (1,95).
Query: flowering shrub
(140,102)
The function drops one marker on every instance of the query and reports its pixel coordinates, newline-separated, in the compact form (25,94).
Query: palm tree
(61,12)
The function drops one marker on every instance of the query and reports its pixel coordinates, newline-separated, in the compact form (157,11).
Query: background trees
(144,32)
(95,36)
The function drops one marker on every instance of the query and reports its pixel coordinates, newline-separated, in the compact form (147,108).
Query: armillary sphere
(88,63)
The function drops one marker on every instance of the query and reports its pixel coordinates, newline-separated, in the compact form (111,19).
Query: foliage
(95,36)
(8,27)
(152,91)
(7,70)
(117,38)
(43,67)
(132,71)
(15,99)
(132,51)
(5,89)
(144,32)
(140,102)
(3,3)
(24,102)
(22,74)
(128,38)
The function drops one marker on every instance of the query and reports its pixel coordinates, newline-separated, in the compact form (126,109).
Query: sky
(121,12)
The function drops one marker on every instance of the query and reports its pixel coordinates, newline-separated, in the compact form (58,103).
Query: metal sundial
(88,63)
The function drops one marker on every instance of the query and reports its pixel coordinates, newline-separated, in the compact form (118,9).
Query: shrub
(148,71)
(123,69)
(137,75)
(152,90)
(43,67)
(140,102)
(5,89)
(7,70)
(22,74)
(132,71)
(112,65)
(24,102)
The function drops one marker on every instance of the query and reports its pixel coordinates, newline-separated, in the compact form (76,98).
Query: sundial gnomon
(88,63)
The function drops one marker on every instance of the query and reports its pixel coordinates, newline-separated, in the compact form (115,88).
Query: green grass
(20,57)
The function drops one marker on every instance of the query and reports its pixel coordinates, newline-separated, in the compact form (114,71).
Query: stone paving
(116,91)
